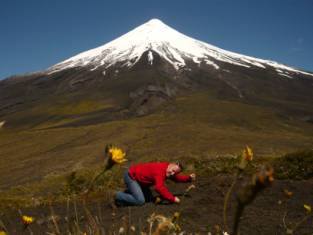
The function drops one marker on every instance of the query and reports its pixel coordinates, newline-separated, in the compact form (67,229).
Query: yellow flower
(177,228)
(117,155)
(247,154)
(3,233)
(175,218)
(176,214)
(307,208)
(27,220)
(246,157)
(157,200)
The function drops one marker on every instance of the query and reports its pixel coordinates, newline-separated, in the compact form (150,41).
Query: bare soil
(201,210)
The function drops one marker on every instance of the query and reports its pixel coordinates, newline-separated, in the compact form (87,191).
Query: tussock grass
(296,165)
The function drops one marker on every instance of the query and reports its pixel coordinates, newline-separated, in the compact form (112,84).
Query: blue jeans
(134,195)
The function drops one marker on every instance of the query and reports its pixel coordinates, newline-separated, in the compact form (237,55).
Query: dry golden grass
(191,126)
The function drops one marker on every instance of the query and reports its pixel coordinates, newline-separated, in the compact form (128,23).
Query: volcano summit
(171,45)
(149,66)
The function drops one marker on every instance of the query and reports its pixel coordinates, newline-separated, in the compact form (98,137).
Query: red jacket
(148,174)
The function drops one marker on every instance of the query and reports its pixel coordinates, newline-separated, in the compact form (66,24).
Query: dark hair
(180,165)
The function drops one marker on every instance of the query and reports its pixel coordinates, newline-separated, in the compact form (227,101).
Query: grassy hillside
(196,124)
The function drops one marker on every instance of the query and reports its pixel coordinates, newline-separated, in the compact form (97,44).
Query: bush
(296,165)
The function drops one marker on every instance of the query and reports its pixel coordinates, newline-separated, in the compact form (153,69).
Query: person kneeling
(140,177)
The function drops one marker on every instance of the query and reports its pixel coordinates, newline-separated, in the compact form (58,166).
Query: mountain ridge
(171,45)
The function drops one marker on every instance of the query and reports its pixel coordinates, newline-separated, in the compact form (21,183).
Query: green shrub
(297,165)
(75,183)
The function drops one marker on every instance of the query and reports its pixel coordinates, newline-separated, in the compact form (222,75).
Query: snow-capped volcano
(171,45)
(147,70)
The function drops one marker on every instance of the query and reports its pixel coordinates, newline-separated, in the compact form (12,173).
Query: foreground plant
(116,156)
(3,230)
(292,227)
(27,221)
(307,208)
(113,156)
(262,179)
(244,160)
(163,224)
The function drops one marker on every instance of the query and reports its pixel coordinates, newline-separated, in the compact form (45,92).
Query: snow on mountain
(171,45)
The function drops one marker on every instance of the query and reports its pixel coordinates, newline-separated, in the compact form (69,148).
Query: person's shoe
(117,203)
(114,204)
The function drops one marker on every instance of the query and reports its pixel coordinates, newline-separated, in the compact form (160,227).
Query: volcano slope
(53,128)
(48,138)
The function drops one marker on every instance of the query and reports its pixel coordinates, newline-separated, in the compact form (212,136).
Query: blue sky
(36,34)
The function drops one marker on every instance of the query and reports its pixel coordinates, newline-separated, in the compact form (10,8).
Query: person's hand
(177,200)
(193,176)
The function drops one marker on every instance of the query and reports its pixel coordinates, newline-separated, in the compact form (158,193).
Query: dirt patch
(201,210)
